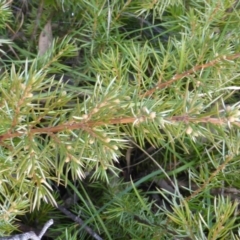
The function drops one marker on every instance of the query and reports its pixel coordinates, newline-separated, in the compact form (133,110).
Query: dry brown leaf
(45,38)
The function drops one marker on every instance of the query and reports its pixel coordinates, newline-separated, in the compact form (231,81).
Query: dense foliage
(120,119)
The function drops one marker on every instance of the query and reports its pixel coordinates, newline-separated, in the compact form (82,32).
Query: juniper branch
(72,125)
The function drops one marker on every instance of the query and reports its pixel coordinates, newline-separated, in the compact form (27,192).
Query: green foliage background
(121,75)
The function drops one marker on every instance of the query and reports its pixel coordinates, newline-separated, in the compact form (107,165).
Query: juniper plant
(92,88)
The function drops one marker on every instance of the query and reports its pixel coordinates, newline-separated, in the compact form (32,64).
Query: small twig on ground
(37,21)
(45,228)
(79,221)
(30,235)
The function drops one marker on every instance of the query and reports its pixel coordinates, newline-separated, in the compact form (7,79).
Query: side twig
(221,167)
(179,76)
